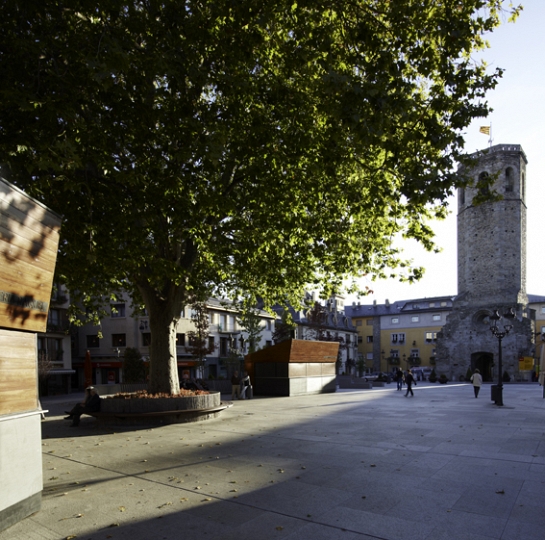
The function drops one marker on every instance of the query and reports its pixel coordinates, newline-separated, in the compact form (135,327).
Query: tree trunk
(163,320)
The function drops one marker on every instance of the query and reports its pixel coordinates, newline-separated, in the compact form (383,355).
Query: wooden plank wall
(297,350)
(313,351)
(29,239)
(18,385)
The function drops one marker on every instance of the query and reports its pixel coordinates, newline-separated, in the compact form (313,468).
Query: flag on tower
(485,130)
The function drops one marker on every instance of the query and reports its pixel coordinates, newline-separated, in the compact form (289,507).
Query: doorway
(483,361)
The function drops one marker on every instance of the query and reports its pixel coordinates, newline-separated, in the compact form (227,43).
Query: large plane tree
(241,148)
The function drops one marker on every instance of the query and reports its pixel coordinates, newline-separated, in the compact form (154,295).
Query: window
(269,325)
(180,340)
(394,353)
(93,342)
(211,344)
(482,184)
(398,338)
(415,353)
(431,336)
(119,340)
(268,343)
(358,322)
(395,320)
(369,339)
(146,339)
(369,356)
(53,317)
(415,318)
(443,304)
(542,309)
(360,339)
(432,304)
(224,346)
(509,180)
(55,346)
(415,306)
(436,317)
(117,310)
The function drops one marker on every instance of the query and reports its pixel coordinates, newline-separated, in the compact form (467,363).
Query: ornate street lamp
(500,333)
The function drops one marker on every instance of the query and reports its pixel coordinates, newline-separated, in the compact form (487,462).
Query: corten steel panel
(29,239)
(271,386)
(281,369)
(18,388)
(265,370)
(297,350)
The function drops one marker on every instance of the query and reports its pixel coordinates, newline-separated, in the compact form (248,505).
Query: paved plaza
(353,465)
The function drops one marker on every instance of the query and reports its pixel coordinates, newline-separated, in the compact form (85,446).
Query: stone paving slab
(356,464)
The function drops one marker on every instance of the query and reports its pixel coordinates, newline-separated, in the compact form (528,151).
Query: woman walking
(477,381)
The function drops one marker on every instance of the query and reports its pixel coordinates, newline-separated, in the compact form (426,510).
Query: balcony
(58,328)
(227,329)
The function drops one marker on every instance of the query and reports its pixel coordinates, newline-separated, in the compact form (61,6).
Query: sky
(518,117)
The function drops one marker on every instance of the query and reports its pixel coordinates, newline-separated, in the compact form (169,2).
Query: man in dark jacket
(91,404)
(409,381)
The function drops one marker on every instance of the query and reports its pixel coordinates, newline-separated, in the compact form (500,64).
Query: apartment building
(401,333)
(124,328)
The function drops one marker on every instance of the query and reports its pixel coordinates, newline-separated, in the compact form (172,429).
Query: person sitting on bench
(89,405)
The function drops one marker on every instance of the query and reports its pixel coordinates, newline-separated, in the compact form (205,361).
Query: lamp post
(500,333)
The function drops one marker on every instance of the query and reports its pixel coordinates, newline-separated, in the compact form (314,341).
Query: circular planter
(173,410)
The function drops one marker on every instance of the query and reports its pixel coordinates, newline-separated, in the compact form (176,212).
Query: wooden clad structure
(294,367)
(29,239)
(298,350)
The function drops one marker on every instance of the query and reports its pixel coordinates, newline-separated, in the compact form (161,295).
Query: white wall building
(123,329)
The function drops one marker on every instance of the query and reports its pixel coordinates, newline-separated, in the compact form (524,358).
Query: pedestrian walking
(477,381)
(409,381)
(399,378)
(235,386)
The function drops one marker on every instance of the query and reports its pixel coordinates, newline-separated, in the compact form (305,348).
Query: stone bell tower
(491,269)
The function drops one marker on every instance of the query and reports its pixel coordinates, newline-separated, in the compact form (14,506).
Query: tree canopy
(238,148)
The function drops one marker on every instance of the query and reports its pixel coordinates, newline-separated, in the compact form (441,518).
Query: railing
(59,328)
